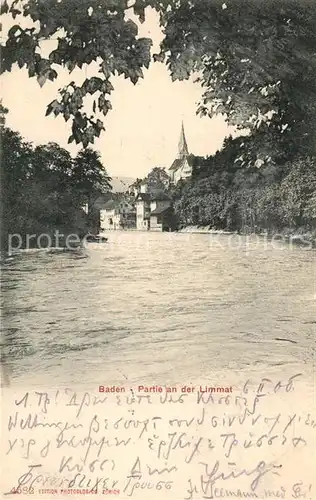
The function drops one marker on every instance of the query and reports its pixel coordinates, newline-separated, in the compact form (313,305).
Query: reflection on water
(164,307)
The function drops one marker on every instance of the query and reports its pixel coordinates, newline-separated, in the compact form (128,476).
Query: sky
(142,129)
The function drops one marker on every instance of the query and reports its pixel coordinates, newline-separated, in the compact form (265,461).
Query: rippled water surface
(158,307)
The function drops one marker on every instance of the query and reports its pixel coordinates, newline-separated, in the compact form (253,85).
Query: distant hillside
(121,184)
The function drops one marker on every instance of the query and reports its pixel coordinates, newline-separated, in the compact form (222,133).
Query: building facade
(117,215)
(154,213)
(162,219)
(142,211)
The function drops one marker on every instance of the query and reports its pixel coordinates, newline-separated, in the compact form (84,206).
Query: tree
(88,31)
(36,192)
(256,59)
(297,194)
(89,178)
(52,163)
(136,185)
(44,189)
(158,180)
(15,168)
(3,111)
(226,193)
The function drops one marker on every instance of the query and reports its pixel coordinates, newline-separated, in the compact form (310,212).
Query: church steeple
(183,151)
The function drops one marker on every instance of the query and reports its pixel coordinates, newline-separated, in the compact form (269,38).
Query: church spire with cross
(183,150)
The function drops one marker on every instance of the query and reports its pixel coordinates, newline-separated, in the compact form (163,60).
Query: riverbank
(204,229)
(299,237)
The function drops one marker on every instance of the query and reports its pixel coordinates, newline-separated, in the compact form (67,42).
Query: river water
(158,308)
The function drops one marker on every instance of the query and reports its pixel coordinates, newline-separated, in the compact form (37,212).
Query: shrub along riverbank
(298,238)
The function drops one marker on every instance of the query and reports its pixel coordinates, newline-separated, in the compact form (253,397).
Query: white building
(117,215)
(142,211)
(149,211)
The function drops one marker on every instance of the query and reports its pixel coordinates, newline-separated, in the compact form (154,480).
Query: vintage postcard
(158,238)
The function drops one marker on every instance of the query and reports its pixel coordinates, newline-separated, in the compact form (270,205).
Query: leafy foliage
(256,60)
(157,180)
(3,111)
(87,31)
(225,194)
(88,177)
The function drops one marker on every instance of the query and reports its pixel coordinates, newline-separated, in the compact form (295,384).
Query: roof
(160,211)
(110,205)
(176,164)
(179,162)
(183,147)
(102,200)
(143,197)
(160,196)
